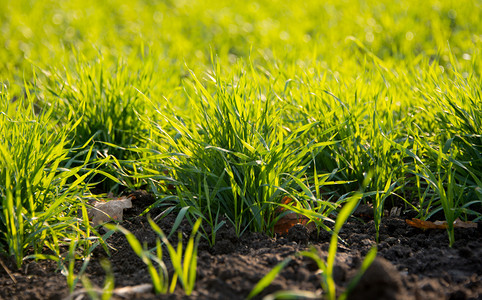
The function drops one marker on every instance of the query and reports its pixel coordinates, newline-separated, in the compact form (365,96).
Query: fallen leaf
(423,224)
(290,219)
(102,212)
(461,224)
(439,224)
(286,201)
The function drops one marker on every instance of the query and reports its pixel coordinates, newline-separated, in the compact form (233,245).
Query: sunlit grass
(39,193)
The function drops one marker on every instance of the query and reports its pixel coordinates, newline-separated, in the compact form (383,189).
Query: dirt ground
(411,263)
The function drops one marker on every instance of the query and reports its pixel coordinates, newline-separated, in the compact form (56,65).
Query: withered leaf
(439,224)
(290,219)
(102,212)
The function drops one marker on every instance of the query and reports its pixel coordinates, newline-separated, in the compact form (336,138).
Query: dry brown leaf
(461,224)
(106,211)
(289,220)
(439,224)
(286,201)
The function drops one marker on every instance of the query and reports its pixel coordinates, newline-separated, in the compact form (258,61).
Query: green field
(221,109)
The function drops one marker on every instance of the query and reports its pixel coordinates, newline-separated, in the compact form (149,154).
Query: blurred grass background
(173,34)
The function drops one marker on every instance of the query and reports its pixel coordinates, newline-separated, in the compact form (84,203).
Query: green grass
(39,194)
(184,261)
(222,109)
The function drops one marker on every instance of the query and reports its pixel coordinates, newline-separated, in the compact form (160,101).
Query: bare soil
(411,263)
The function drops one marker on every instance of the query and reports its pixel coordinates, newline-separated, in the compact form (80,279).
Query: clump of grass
(81,245)
(450,191)
(184,261)
(236,159)
(109,101)
(39,195)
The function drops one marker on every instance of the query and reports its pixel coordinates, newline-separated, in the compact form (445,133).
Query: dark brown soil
(411,263)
